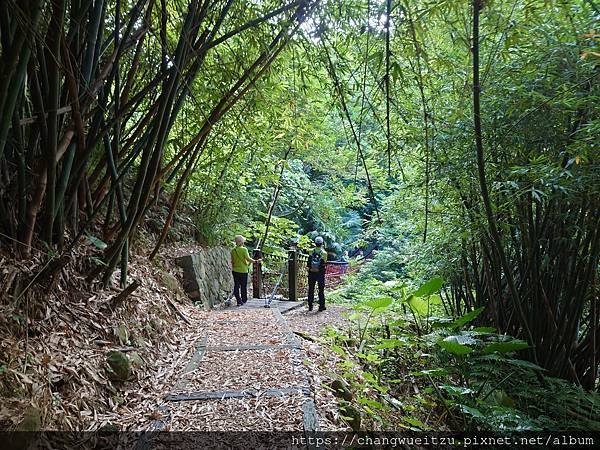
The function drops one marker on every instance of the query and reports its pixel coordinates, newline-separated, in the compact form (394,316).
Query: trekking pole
(270,298)
(229,297)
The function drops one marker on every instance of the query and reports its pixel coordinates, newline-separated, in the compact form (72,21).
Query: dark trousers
(240,283)
(314,278)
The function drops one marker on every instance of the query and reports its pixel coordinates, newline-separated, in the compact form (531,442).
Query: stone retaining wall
(207,275)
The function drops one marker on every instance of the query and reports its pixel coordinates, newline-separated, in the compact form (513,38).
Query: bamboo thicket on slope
(536,268)
(90,91)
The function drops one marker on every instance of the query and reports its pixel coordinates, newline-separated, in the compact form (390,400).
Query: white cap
(319,240)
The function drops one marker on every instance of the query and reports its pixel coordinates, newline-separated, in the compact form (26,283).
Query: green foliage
(505,347)
(470,371)
(453,345)
(429,288)
(468,318)
(377,304)
(99,244)
(372,151)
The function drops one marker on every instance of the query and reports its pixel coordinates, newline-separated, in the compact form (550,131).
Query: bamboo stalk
(13,75)
(493,227)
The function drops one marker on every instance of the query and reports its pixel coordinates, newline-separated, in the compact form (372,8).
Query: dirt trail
(246,374)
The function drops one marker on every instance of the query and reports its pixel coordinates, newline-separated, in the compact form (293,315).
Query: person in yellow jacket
(240,266)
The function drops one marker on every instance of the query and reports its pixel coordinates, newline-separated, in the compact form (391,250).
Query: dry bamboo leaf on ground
(245,333)
(320,361)
(67,350)
(314,322)
(282,413)
(248,369)
(68,371)
(242,315)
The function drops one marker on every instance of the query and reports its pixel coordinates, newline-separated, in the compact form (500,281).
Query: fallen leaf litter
(262,413)
(67,349)
(237,370)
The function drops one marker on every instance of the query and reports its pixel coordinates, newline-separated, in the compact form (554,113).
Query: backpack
(315,262)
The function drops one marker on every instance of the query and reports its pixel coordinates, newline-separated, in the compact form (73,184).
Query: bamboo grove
(465,131)
(494,143)
(535,266)
(90,93)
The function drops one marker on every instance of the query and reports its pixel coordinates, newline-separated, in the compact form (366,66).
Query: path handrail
(275,266)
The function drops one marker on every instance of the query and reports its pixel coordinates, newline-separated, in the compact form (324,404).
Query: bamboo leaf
(371,403)
(99,244)
(390,343)
(439,372)
(415,423)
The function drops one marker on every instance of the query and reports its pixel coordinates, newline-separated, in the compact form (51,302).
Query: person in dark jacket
(316,274)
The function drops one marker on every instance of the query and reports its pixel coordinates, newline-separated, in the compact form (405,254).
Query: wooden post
(257,274)
(293,274)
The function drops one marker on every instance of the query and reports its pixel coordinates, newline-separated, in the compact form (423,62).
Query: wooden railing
(287,276)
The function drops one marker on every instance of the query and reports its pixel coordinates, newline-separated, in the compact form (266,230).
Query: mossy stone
(123,334)
(119,366)
(351,415)
(136,360)
(341,390)
(32,421)
(170,282)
